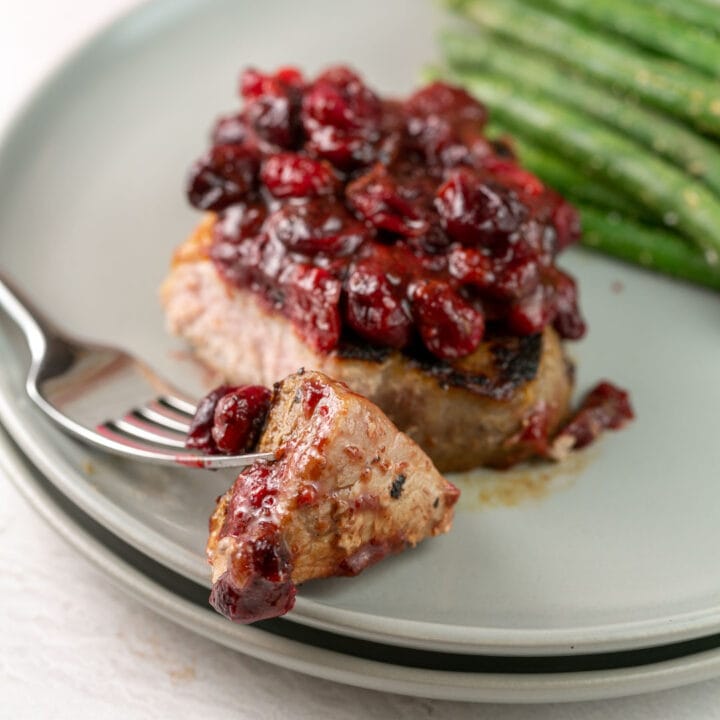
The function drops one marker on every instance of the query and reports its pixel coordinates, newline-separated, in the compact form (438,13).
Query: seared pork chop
(347,488)
(464,413)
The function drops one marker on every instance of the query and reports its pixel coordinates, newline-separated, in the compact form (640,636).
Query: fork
(105,396)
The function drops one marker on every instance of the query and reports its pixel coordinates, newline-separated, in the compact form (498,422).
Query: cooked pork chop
(463,414)
(346,490)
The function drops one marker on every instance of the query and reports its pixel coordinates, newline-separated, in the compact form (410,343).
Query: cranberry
(443,100)
(199,435)
(222,177)
(312,297)
(316,227)
(476,212)
(229,130)
(272,107)
(516,275)
(235,249)
(341,117)
(291,175)
(446,122)
(531,314)
(239,417)
(377,199)
(254,84)
(375,308)
(568,321)
(512,176)
(471,267)
(450,327)
(605,407)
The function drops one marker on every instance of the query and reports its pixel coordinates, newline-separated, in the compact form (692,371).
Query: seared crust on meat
(346,490)
(464,415)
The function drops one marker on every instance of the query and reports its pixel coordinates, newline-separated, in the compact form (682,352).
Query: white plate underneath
(307,651)
(621,550)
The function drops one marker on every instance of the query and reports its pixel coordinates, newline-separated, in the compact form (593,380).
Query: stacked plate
(592,579)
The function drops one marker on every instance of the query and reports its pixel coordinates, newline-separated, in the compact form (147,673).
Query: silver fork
(106,397)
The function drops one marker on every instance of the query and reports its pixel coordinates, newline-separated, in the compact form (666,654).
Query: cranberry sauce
(258,581)
(229,420)
(394,222)
(605,407)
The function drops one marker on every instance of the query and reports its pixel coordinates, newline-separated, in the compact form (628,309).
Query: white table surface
(73,646)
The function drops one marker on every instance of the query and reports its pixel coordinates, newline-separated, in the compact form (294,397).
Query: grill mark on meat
(357,350)
(397,487)
(511,362)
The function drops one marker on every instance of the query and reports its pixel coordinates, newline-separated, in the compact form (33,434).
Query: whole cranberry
(477,213)
(516,271)
(199,435)
(311,301)
(316,226)
(375,309)
(530,314)
(239,417)
(341,118)
(229,130)
(223,176)
(272,107)
(292,175)
(236,244)
(513,177)
(471,267)
(567,321)
(376,197)
(339,98)
(445,122)
(254,84)
(450,327)
(441,99)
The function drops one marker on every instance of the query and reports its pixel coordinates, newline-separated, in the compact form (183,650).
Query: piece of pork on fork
(347,489)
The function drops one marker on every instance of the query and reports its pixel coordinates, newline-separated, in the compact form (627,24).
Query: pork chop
(464,414)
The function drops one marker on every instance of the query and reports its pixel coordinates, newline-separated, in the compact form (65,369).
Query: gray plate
(354,662)
(623,547)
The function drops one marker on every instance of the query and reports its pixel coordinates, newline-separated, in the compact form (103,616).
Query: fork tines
(163,422)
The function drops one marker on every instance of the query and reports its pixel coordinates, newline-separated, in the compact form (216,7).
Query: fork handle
(37,329)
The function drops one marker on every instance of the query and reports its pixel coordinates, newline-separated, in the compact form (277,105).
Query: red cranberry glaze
(258,582)
(605,407)
(228,420)
(395,222)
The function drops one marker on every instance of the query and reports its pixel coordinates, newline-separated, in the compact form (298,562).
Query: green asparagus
(652,248)
(675,88)
(701,14)
(695,154)
(649,27)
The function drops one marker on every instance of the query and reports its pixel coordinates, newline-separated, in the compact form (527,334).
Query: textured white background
(73,646)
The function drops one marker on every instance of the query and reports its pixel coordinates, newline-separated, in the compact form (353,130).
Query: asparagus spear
(649,27)
(652,248)
(703,15)
(660,187)
(694,154)
(673,87)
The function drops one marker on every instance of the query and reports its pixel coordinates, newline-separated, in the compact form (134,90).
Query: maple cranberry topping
(605,407)
(258,581)
(228,420)
(394,222)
